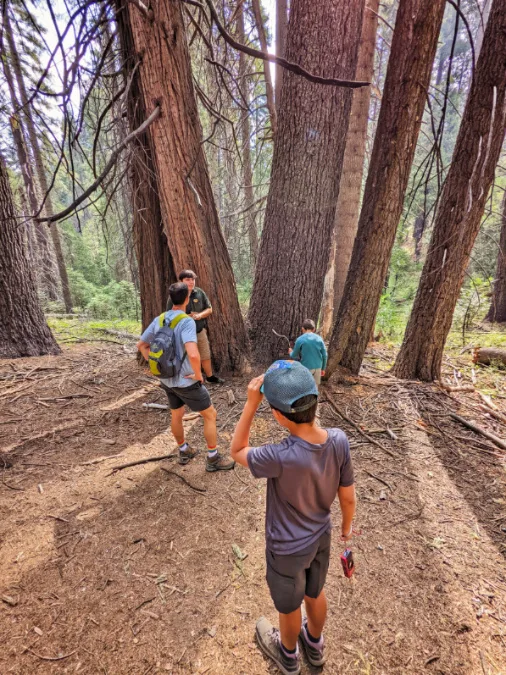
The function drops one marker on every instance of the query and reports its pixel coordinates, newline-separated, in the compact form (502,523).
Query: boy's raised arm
(240,441)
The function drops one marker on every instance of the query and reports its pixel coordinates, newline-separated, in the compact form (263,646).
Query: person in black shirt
(199,308)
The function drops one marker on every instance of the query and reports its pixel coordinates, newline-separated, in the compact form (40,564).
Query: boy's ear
(279,417)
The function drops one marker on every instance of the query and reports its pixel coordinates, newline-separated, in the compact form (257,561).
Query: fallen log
(489,355)
(119,333)
(479,430)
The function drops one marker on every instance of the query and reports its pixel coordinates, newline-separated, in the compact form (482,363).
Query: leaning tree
(460,208)
(497,310)
(23,328)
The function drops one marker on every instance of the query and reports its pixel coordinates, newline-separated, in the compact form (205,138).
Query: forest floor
(134,572)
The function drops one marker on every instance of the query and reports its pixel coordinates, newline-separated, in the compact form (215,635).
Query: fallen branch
(118,333)
(373,475)
(478,430)
(174,473)
(495,413)
(460,387)
(356,426)
(155,406)
(142,461)
(488,355)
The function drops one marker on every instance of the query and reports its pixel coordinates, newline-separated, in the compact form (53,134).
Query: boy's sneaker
(214,379)
(269,641)
(219,463)
(190,453)
(314,650)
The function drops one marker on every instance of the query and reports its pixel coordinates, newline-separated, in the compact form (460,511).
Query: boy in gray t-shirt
(305,473)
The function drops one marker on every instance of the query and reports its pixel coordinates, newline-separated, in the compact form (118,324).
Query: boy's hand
(346,536)
(197,378)
(323,373)
(255,396)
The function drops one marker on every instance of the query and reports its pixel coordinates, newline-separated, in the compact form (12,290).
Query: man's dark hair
(304,416)
(187,274)
(308,324)
(178,293)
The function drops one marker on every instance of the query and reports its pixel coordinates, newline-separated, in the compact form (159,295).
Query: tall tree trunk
(187,204)
(245,131)
(154,262)
(45,258)
(23,329)
(269,89)
(497,311)
(281,32)
(306,168)
(460,209)
(412,53)
(39,162)
(350,187)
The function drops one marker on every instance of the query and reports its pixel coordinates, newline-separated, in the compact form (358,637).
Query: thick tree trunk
(497,311)
(306,168)
(350,187)
(245,131)
(154,262)
(460,208)
(187,204)
(269,89)
(412,53)
(23,329)
(45,258)
(39,162)
(281,31)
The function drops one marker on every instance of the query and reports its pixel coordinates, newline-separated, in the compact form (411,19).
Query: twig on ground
(378,479)
(175,473)
(478,430)
(356,426)
(51,658)
(145,460)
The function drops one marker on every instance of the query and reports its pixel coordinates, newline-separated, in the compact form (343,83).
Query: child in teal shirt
(310,350)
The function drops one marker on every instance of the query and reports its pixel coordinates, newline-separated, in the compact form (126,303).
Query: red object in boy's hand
(347,563)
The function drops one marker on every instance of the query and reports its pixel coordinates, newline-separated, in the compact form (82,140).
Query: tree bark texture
(497,311)
(187,204)
(281,31)
(306,168)
(45,257)
(350,186)
(23,328)
(460,208)
(412,53)
(269,88)
(154,262)
(39,162)
(245,132)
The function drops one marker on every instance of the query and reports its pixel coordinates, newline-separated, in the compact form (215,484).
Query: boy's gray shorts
(291,577)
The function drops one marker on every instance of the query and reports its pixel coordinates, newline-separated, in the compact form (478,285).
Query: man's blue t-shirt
(185,331)
(310,350)
(302,484)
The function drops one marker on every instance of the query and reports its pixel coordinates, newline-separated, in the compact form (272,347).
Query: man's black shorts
(291,577)
(196,397)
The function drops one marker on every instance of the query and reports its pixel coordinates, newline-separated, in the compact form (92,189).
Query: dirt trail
(134,572)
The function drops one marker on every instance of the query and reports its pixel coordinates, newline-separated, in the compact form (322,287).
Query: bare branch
(257,54)
(110,164)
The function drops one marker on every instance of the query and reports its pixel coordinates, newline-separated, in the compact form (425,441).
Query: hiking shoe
(314,650)
(269,641)
(219,463)
(214,379)
(184,457)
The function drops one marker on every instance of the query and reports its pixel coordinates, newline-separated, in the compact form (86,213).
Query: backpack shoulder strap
(177,319)
(161,320)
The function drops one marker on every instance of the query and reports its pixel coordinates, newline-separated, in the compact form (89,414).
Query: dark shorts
(196,397)
(291,577)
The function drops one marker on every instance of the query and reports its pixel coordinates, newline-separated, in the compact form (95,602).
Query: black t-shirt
(198,303)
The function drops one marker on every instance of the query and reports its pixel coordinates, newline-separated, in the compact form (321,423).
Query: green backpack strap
(177,319)
(161,320)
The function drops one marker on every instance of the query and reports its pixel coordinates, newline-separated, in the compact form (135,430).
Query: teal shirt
(310,350)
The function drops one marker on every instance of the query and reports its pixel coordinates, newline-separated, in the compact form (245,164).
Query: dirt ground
(134,571)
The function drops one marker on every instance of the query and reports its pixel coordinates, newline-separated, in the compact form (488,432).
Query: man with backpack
(169,345)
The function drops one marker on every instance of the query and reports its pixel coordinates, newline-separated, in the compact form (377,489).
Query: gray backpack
(164,360)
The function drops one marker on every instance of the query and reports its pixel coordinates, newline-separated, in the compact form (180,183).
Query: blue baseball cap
(287,381)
